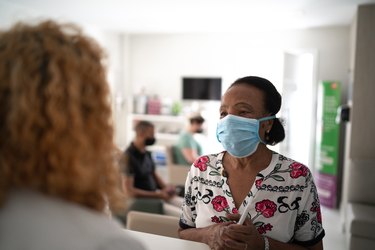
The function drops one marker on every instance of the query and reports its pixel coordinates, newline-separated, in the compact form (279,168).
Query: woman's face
(243,100)
(246,101)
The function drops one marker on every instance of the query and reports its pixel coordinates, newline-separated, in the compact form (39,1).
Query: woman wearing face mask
(141,179)
(284,208)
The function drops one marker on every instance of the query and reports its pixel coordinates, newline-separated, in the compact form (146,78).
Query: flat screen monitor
(201,88)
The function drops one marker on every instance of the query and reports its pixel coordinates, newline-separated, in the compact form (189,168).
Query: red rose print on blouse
(316,208)
(297,170)
(266,207)
(264,228)
(215,219)
(201,163)
(234,210)
(258,183)
(319,216)
(220,203)
(219,219)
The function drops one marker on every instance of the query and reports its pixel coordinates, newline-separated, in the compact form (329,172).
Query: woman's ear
(265,130)
(267,125)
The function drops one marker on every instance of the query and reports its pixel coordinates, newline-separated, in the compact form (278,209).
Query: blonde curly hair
(55,116)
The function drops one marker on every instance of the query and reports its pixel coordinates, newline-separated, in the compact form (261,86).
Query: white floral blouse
(285,200)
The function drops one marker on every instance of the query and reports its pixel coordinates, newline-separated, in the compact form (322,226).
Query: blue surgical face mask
(239,135)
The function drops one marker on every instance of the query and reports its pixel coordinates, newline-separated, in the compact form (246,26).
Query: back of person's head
(272,104)
(196,119)
(55,117)
(142,126)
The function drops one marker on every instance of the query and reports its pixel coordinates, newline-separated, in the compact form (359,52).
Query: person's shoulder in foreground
(31,220)
(57,169)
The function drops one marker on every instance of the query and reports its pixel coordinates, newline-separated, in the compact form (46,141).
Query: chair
(177,173)
(153,223)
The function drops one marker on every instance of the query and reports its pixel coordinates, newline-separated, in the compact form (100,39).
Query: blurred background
(170,58)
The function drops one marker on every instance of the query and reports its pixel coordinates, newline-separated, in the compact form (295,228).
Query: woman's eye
(243,112)
(223,114)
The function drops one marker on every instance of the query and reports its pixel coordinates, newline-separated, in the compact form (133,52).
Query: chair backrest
(177,173)
(159,224)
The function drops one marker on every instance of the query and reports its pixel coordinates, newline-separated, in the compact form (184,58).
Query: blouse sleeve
(188,215)
(308,227)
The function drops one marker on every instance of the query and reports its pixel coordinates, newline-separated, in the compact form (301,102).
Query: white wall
(157,62)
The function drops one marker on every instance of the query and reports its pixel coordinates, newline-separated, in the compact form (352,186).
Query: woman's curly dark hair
(55,116)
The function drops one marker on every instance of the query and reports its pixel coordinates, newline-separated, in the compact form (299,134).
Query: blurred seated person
(57,174)
(142,182)
(188,149)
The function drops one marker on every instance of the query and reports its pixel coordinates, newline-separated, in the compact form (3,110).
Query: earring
(267,135)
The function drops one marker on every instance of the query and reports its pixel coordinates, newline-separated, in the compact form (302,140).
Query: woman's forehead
(243,93)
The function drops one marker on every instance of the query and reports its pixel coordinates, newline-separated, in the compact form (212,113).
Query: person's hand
(216,238)
(164,195)
(170,190)
(246,236)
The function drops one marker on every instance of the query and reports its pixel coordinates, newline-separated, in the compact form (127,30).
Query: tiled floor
(333,225)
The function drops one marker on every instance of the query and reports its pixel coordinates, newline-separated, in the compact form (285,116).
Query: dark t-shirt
(141,167)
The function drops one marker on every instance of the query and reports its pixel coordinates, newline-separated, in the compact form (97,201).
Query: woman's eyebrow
(223,106)
(243,104)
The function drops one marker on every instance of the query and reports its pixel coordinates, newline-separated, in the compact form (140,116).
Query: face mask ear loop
(267,118)
(217,135)
(262,120)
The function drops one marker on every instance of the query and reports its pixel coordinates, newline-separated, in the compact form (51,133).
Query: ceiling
(181,16)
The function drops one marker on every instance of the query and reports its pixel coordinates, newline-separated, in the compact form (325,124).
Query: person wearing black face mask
(150,141)
(141,180)
(187,149)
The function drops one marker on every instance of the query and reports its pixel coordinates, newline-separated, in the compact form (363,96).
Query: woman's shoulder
(209,164)
(286,161)
(80,226)
(288,166)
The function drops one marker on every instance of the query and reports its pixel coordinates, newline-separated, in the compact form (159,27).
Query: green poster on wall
(328,131)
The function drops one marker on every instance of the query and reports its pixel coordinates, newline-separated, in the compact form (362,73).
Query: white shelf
(166,136)
(159,118)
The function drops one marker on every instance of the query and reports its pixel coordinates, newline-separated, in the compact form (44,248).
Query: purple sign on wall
(327,189)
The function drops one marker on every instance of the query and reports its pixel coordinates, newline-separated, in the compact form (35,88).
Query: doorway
(299,106)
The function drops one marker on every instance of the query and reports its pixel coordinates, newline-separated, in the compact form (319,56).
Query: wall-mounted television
(201,88)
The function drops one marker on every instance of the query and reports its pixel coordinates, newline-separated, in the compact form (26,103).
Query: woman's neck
(254,163)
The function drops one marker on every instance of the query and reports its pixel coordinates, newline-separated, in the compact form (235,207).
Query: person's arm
(274,244)
(166,188)
(136,192)
(159,181)
(230,235)
(187,148)
(243,236)
(211,235)
(189,154)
